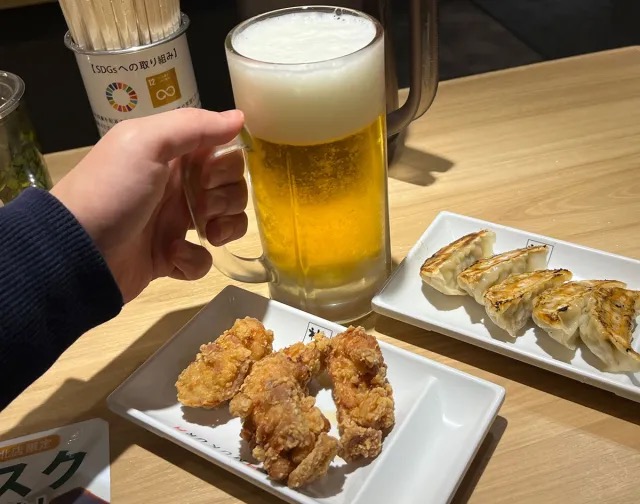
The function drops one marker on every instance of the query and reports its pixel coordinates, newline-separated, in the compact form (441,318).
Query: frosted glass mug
(314,143)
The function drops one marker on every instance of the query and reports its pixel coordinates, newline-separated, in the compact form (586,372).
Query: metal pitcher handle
(424,70)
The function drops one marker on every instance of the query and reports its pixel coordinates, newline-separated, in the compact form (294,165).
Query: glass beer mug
(311,84)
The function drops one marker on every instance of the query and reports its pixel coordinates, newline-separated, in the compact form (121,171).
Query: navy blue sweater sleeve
(54,286)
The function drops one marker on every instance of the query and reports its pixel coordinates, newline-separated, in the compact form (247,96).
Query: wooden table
(552,148)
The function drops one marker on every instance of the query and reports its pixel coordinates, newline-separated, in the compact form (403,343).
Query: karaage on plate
(361,392)
(220,368)
(281,423)
(313,355)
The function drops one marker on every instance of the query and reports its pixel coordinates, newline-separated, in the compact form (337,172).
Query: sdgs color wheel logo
(121,96)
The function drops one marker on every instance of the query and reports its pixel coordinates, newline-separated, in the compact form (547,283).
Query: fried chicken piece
(221,366)
(316,463)
(361,392)
(313,355)
(281,423)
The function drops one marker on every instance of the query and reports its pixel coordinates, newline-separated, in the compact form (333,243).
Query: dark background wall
(476,36)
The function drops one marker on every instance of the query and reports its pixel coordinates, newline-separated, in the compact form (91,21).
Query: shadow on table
(480,461)
(95,391)
(417,167)
(526,374)
(122,433)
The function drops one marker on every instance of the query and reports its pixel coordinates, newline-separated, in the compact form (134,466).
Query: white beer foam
(306,81)
(304,37)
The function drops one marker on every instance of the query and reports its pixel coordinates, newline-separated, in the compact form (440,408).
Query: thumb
(190,261)
(172,134)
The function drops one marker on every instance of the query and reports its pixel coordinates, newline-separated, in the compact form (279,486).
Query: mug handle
(243,269)
(423,71)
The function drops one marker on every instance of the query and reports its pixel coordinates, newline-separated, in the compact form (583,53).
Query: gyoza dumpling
(510,302)
(441,270)
(608,324)
(559,310)
(484,273)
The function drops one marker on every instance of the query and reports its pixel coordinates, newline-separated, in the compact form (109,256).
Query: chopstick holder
(138,81)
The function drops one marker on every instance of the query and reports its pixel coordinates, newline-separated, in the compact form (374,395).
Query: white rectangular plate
(405,297)
(442,415)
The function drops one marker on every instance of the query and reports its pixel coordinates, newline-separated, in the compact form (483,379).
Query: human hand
(127,194)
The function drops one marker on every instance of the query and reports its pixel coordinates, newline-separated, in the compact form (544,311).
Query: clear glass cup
(315,145)
(21,163)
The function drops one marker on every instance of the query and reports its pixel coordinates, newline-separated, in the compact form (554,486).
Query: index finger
(181,131)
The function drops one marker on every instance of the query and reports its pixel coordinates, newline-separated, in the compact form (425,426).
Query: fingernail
(232,114)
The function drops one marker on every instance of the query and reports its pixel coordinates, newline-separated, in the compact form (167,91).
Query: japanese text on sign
(13,473)
(29,447)
(143,64)
(58,466)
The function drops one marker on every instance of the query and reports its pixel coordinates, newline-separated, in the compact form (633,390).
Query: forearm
(54,286)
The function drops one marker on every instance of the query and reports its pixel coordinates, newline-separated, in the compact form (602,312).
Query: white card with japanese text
(60,466)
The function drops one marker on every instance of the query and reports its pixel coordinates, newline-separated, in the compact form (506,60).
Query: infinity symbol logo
(163,94)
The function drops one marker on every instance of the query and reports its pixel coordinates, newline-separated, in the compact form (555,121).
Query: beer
(311,86)
(321,214)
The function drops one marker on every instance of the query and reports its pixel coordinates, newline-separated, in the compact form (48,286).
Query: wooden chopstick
(120,21)
(120,24)
(142,21)
(74,22)
(88,16)
(155,20)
